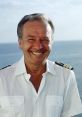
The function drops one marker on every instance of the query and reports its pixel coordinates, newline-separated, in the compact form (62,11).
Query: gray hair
(33,17)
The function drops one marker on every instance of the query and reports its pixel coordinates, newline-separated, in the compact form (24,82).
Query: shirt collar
(21,69)
(50,67)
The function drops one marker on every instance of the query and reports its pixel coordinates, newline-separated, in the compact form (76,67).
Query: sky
(65,14)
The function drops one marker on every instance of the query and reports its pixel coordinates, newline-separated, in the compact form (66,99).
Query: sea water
(68,52)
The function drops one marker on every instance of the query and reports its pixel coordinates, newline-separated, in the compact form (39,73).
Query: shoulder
(61,70)
(59,65)
(67,66)
(65,71)
(5,67)
(7,70)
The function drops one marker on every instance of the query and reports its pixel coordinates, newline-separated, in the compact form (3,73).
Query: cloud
(66,15)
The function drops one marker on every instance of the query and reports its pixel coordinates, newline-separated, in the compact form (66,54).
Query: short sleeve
(72,102)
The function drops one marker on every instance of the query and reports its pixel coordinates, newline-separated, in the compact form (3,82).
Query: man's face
(36,42)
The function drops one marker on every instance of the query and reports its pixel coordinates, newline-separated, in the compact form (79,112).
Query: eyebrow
(30,36)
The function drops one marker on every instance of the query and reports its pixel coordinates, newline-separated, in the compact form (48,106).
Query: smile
(37,53)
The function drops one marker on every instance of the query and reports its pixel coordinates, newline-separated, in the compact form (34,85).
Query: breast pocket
(54,106)
(12,106)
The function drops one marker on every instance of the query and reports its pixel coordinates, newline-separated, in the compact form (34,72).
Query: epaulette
(64,65)
(5,67)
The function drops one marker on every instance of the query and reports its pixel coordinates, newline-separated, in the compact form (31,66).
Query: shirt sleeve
(72,102)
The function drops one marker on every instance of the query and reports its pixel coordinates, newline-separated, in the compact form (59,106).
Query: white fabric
(57,96)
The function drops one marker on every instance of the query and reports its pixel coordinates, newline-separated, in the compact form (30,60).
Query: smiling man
(36,45)
(35,86)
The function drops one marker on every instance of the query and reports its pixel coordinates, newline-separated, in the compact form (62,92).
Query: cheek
(25,46)
(21,44)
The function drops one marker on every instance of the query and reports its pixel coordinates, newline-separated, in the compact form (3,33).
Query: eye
(45,40)
(30,40)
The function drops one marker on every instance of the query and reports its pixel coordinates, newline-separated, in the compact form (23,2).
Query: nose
(38,45)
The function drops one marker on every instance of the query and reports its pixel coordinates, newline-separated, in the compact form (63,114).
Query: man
(35,86)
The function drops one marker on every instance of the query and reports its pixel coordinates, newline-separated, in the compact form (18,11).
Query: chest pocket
(54,106)
(12,106)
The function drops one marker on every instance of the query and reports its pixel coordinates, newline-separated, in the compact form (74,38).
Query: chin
(38,62)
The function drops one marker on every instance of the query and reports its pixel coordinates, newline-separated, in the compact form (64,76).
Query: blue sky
(66,15)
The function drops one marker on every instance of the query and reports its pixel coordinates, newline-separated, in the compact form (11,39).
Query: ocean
(68,52)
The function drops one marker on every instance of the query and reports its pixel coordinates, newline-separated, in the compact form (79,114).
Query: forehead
(36,26)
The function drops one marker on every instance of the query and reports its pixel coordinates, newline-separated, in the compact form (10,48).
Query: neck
(35,69)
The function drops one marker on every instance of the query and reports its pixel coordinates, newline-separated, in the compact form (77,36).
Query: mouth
(37,53)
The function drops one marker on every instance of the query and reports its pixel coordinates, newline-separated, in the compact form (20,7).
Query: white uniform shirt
(57,95)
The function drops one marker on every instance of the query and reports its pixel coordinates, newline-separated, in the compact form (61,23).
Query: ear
(20,43)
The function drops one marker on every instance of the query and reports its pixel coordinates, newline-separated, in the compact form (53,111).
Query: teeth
(37,53)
